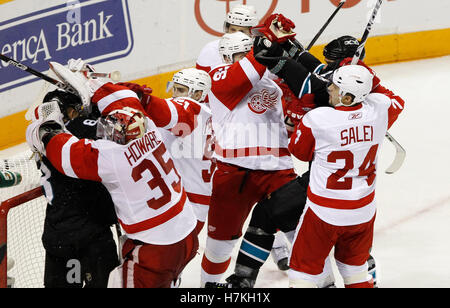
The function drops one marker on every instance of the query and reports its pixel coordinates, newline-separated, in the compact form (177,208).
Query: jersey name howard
(141,146)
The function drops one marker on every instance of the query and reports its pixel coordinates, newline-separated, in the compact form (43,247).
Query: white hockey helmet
(355,80)
(242,15)
(194,79)
(233,43)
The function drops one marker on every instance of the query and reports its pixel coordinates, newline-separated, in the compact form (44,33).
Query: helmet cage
(65,100)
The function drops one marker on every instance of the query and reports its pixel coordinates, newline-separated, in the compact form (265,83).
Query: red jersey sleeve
(178,115)
(110,97)
(302,143)
(397,104)
(230,84)
(203,68)
(74,157)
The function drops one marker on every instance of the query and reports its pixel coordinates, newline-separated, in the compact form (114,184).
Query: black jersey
(77,209)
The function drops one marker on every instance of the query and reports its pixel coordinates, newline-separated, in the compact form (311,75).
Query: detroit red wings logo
(262,101)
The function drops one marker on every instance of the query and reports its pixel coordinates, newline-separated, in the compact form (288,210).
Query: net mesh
(25,224)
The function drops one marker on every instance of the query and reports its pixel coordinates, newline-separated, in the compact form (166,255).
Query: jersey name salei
(343,144)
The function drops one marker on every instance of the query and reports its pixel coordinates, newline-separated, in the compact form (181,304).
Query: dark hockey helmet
(342,47)
(64,100)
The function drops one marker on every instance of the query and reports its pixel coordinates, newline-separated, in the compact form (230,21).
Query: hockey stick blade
(400,154)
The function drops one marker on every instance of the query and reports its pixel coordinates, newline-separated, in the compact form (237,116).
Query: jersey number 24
(366,169)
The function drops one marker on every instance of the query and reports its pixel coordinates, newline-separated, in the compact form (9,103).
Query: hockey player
(267,216)
(79,213)
(135,167)
(342,142)
(250,148)
(241,18)
(191,153)
(299,78)
(9,178)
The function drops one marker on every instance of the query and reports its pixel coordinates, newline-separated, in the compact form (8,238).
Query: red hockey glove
(277,28)
(143,92)
(297,108)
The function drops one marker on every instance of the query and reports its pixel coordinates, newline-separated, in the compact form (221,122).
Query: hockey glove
(297,108)
(48,120)
(276,28)
(269,54)
(84,86)
(143,92)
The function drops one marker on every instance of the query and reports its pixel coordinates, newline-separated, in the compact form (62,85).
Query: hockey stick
(400,155)
(325,25)
(25,68)
(400,151)
(262,53)
(365,36)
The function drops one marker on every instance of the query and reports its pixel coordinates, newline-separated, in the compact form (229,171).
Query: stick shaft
(365,36)
(325,25)
(27,69)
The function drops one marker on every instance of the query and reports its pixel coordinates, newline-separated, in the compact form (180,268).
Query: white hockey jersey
(145,186)
(192,157)
(209,57)
(150,200)
(343,144)
(247,117)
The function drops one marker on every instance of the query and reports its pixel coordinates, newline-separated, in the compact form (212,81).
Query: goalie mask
(122,126)
(233,43)
(355,80)
(67,103)
(194,79)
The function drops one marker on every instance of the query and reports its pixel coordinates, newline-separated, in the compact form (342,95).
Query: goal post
(5,206)
(22,215)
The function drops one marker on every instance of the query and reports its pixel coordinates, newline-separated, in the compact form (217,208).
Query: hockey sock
(360,285)
(213,272)
(255,248)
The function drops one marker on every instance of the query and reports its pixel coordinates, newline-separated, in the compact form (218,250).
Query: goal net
(21,224)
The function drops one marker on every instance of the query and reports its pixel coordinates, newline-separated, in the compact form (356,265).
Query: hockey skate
(372,270)
(233,282)
(280,253)
(10,280)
